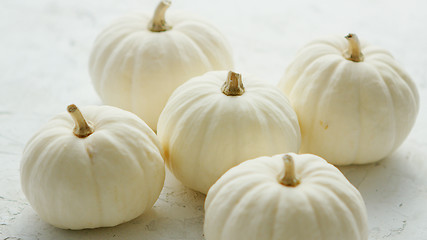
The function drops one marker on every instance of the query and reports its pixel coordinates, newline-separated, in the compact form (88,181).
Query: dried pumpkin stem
(354,52)
(233,86)
(158,23)
(289,179)
(82,128)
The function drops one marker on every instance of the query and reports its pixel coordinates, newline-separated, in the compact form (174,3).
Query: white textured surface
(44,48)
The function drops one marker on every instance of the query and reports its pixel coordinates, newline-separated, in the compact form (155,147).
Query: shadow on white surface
(178,214)
(394,189)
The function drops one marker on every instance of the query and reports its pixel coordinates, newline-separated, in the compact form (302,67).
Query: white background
(44,50)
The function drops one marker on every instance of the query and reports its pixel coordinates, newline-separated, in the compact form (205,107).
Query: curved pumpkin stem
(82,128)
(158,23)
(233,86)
(289,179)
(354,51)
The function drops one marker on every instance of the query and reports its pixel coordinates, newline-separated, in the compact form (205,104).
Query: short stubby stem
(233,86)
(82,128)
(354,53)
(289,179)
(158,23)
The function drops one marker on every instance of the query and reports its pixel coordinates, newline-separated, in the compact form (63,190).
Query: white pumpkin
(137,62)
(299,197)
(106,171)
(212,123)
(354,102)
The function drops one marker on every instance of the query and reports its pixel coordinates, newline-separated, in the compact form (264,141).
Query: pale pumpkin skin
(250,202)
(102,180)
(205,132)
(350,112)
(137,69)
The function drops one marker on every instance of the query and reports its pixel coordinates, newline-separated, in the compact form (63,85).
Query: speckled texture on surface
(45,45)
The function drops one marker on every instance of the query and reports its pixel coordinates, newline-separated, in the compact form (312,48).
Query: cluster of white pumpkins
(103,165)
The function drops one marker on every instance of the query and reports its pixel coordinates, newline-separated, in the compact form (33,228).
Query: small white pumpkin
(212,123)
(299,197)
(355,104)
(106,171)
(137,62)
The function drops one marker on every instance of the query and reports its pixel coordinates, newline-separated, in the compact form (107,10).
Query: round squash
(354,102)
(216,121)
(137,62)
(299,197)
(106,171)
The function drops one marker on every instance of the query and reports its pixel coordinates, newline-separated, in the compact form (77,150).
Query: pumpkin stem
(233,86)
(82,128)
(289,179)
(354,53)
(158,23)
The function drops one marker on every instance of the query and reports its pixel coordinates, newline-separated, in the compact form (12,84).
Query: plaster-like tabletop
(44,50)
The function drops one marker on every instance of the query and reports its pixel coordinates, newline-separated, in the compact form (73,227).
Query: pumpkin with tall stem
(355,103)
(138,61)
(97,167)
(220,119)
(287,196)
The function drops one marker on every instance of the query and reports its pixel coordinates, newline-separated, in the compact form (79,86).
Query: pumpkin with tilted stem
(216,121)
(106,171)
(137,62)
(290,196)
(354,102)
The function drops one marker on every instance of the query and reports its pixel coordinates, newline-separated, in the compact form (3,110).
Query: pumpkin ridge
(357,223)
(324,234)
(315,216)
(198,48)
(100,208)
(111,138)
(360,131)
(234,201)
(395,127)
(212,110)
(289,91)
(402,75)
(335,66)
(232,212)
(277,111)
(363,115)
(103,45)
(271,207)
(237,178)
(276,213)
(95,61)
(42,139)
(296,131)
(90,176)
(184,23)
(348,206)
(105,80)
(221,62)
(260,116)
(339,206)
(184,114)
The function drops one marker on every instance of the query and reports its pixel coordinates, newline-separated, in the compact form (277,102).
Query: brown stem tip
(354,53)
(158,23)
(289,179)
(233,86)
(82,128)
